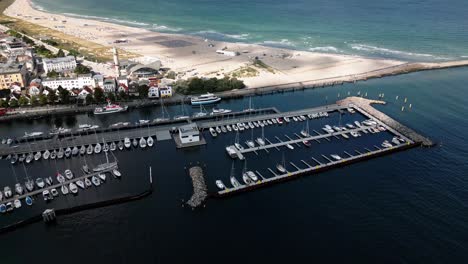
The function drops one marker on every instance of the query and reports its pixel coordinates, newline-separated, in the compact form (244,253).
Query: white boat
(260,141)
(73,188)
(22,158)
(1,194)
(135,143)
(235,128)
(87,182)
(231,152)
(14,159)
(32,134)
(127,143)
(269,122)
(116,173)
(287,119)
(97,148)
(304,133)
(220,185)
(19,189)
(109,109)
(246,179)
(80,184)
(281,168)
(112,146)
(203,99)
(49,181)
(251,125)
(220,111)
(46,195)
(68,152)
(54,193)
(142,142)
(357,124)
(37,156)
(354,134)
(345,135)
(250,144)
(234,182)
(9,141)
(120,145)
(29,184)
(223,129)
(229,128)
(239,146)
(213,132)
(289,146)
(218,130)
(7,192)
(386,144)
(29,158)
(64,190)
(46,155)
(350,126)
(60,153)
(142,122)
(68,174)
(252,176)
(60,130)
(295,119)
(89,150)
(150,141)
(105,147)
(336,157)
(75,151)
(60,178)
(17,203)
(40,183)
(102,176)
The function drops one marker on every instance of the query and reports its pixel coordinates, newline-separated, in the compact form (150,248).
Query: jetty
(199,187)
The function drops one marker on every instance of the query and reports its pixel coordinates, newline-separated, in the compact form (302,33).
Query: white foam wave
(109,19)
(164,28)
(282,43)
(217,34)
(374,49)
(325,49)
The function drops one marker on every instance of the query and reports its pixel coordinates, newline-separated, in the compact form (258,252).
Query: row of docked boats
(68,152)
(366,126)
(65,181)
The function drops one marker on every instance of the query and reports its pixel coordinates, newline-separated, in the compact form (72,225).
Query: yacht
(213,132)
(60,153)
(220,185)
(306,143)
(89,150)
(54,193)
(17,203)
(32,134)
(46,195)
(37,156)
(7,192)
(109,109)
(217,111)
(336,157)
(64,189)
(289,146)
(80,184)
(68,174)
(68,152)
(252,176)
(135,143)
(250,144)
(75,151)
(102,176)
(97,148)
(142,142)
(40,183)
(87,182)
(234,182)
(246,179)
(29,185)
(127,142)
(60,178)
(239,146)
(150,141)
(60,130)
(260,141)
(19,189)
(203,99)
(116,173)
(73,188)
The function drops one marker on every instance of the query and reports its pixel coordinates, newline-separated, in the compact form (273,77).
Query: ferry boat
(207,98)
(110,109)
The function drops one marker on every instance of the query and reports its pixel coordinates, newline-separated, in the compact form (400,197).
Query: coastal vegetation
(212,85)
(244,72)
(260,64)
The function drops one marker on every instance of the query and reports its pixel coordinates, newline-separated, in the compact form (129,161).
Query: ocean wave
(109,19)
(281,43)
(164,28)
(219,35)
(374,49)
(325,49)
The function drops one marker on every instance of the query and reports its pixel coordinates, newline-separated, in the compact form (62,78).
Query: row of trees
(197,85)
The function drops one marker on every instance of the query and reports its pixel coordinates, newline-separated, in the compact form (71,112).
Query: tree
(143,90)
(27,40)
(52,97)
(23,101)
(52,74)
(42,99)
(171,75)
(99,95)
(123,95)
(60,53)
(3,103)
(64,95)
(111,97)
(81,69)
(34,101)
(89,99)
(13,103)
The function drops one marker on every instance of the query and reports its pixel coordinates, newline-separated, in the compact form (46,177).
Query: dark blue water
(402,29)
(407,207)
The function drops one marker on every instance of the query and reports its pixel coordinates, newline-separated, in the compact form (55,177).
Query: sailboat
(261,140)
(150,141)
(182,115)
(105,166)
(120,145)
(163,112)
(73,188)
(202,112)
(68,152)
(37,156)
(135,142)
(305,132)
(233,179)
(75,151)
(64,189)
(236,143)
(60,153)
(46,155)
(250,142)
(53,154)
(113,146)
(97,148)
(281,167)
(250,109)
(89,150)
(127,143)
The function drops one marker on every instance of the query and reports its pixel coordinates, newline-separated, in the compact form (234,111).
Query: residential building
(189,133)
(63,64)
(165,91)
(109,85)
(70,83)
(153,92)
(13,73)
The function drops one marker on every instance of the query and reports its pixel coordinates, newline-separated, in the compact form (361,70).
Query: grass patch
(244,72)
(260,64)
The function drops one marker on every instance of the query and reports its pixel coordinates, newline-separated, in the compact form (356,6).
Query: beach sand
(193,56)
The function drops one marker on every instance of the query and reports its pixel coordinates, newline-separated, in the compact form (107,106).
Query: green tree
(23,101)
(34,100)
(60,53)
(13,103)
(99,95)
(89,99)
(81,69)
(211,85)
(42,99)
(73,52)
(52,97)
(3,103)
(143,90)
(52,74)
(123,95)
(196,85)
(171,75)
(64,95)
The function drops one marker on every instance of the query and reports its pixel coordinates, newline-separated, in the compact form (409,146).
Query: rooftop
(57,60)
(10,68)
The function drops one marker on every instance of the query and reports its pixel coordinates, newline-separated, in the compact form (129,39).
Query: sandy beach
(195,56)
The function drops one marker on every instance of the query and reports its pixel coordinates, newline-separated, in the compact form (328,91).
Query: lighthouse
(116,62)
